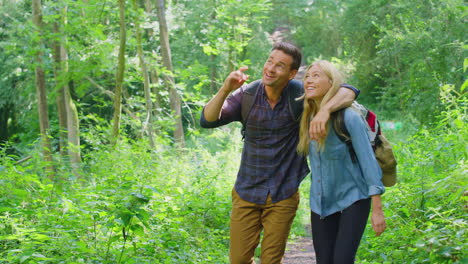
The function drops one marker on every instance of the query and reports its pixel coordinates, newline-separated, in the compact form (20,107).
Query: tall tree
(60,97)
(41,90)
(73,125)
(120,75)
(148,124)
(67,112)
(154,78)
(169,79)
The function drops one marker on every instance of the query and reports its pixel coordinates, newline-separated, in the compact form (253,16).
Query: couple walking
(285,122)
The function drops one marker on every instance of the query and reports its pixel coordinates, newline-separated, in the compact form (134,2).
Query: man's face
(277,70)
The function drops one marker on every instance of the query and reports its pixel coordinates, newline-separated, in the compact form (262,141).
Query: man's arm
(212,110)
(236,79)
(343,98)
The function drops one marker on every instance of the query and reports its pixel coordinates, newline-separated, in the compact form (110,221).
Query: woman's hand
(377,218)
(378,222)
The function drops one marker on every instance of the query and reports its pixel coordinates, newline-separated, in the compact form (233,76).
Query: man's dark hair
(292,51)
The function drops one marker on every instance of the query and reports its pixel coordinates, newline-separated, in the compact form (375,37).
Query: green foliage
(17,111)
(426,214)
(162,205)
(219,34)
(402,51)
(135,205)
(405,51)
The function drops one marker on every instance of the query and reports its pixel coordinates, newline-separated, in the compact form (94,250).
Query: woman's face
(316,83)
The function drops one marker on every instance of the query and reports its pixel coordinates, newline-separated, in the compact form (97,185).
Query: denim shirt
(337,182)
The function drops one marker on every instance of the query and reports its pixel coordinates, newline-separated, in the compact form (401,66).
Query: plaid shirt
(270,163)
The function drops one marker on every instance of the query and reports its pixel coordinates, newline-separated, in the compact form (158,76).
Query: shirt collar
(282,96)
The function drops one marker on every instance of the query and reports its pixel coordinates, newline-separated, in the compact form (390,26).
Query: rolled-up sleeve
(352,88)
(365,155)
(230,111)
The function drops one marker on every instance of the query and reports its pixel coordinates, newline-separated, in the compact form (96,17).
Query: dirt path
(299,251)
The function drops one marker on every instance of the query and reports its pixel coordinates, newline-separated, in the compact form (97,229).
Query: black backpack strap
(295,89)
(378,141)
(340,115)
(248,99)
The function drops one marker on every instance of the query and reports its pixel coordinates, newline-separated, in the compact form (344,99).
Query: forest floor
(299,251)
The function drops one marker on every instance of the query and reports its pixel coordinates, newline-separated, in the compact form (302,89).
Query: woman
(342,188)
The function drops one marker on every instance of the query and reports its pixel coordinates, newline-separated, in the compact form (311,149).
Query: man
(265,195)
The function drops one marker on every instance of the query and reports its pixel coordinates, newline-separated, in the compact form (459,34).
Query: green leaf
(138,229)
(143,216)
(7,209)
(40,237)
(151,188)
(446,252)
(38,255)
(24,258)
(462,88)
(114,238)
(140,197)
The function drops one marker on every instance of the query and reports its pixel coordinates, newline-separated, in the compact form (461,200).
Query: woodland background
(102,159)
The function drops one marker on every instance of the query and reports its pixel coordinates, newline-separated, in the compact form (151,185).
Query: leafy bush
(134,205)
(426,210)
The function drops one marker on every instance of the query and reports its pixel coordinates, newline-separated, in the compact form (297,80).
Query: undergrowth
(136,204)
(426,211)
(133,204)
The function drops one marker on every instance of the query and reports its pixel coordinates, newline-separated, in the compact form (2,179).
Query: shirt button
(318,180)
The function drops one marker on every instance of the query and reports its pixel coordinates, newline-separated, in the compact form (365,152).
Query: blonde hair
(311,108)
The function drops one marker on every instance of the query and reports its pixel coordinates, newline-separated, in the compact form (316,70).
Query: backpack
(294,89)
(381,146)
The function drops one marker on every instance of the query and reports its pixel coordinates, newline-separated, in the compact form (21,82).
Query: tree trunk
(154,79)
(41,91)
(73,122)
(213,66)
(68,114)
(60,98)
(119,75)
(169,80)
(214,73)
(148,124)
(5,111)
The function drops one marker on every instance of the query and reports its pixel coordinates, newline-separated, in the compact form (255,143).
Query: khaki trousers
(247,221)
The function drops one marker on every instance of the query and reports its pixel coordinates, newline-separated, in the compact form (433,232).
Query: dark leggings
(336,237)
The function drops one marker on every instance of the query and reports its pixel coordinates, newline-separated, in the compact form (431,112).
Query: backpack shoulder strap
(337,119)
(248,99)
(342,132)
(295,90)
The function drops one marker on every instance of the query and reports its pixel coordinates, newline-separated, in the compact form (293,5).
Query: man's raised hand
(235,79)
